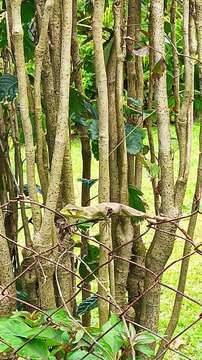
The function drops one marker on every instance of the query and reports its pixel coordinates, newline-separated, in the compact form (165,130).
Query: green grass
(190,343)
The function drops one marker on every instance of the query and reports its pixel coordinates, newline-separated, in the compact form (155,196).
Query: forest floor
(190,343)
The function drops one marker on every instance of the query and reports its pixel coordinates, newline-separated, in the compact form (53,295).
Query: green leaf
(79,335)
(14,327)
(87,305)
(92,260)
(77,119)
(84,225)
(76,103)
(145,149)
(35,349)
(154,170)
(93,129)
(95,149)
(135,200)
(50,335)
(60,317)
(145,338)
(91,109)
(8,87)
(28,11)
(197,103)
(3,32)
(106,351)
(129,57)
(29,28)
(114,338)
(32,319)
(144,349)
(3,347)
(88,6)
(93,250)
(20,314)
(167,27)
(79,354)
(14,332)
(134,139)
(65,336)
(130,111)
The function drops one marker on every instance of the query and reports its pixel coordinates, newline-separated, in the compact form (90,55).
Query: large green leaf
(91,109)
(115,337)
(135,200)
(50,335)
(14,327)
(35,349)
(134,139)
(8,87)
(76,103)
(13,332)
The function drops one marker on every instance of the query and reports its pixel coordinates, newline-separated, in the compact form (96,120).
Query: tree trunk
(195,204)
(104,185)
(85,151)
(46,238)
(162,245)
(17,35)
(6,276)
(135,90)
(39,55)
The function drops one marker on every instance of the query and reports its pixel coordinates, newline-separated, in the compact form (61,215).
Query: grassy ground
(191,342)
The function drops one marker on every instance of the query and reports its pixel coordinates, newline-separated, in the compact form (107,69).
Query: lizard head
(70,211)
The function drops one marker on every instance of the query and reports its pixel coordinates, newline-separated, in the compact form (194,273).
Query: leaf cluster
(34,336)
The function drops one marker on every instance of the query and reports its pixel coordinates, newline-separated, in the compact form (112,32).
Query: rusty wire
(113,256)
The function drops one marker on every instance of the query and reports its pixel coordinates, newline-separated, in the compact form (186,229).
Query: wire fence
(36,258)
